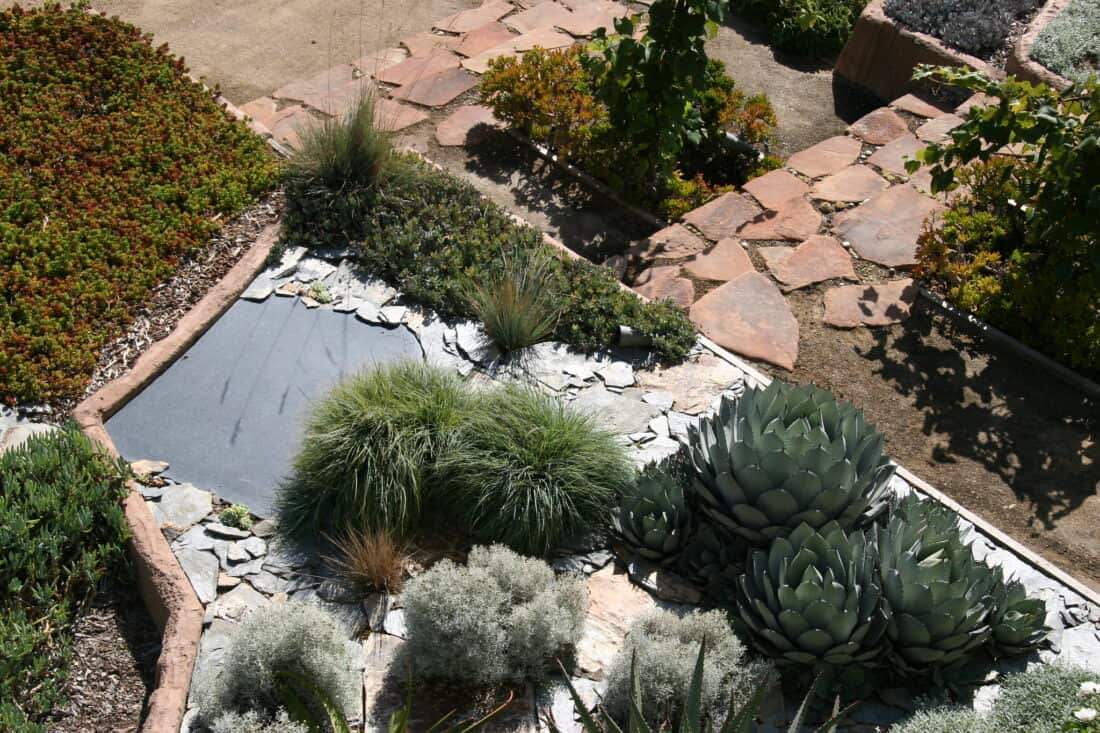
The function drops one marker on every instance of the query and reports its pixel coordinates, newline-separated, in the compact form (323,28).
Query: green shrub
(520,305)
(807,27)
(61,530)
(1039,700)
(528,471)
(944,720)
(665,645)
(1070,44)
(1033,219)
(500,618)
(369,448)
(295,638)
(112,169)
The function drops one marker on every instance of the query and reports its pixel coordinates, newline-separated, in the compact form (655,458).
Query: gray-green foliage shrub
(946,719)
(1070,44)
(253,722)
(299,638)
(499,618)
(975,26)
(665,646)
(529,471)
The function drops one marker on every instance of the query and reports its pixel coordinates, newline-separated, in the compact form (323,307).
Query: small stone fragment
(617,374)
(852,184)
(879,127)
(146,468)
(723,262)
(828,156)
(723,217)
(221,530)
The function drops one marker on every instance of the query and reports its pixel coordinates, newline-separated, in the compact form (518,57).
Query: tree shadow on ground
(754,31)
(1022,424)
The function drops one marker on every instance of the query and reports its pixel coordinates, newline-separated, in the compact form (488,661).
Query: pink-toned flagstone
(544,15)
(426,43)
(854,183)
(879,127)
(750,316)
(547,38)
(794,219)
(883,304)
(465,21)
(885,229)
(775,187)
(828,156)
(936,130)
(394,116)
(665,283)
(723,217)
(416,68)
(265,110)
(458,126)
(673,242)
(724,261)
(483,38)
(817,259)
(317,85)
(977,100)
(585,22)
(287,127)
(438,89)
(340,100)
(914,105)
(891,157)
(374,63)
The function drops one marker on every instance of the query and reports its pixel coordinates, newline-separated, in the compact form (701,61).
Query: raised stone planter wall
(1019,62)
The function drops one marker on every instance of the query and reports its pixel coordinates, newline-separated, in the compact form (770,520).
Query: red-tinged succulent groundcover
(114,165)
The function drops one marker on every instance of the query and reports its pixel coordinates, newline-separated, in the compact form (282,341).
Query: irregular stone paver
(480,64)
(465,21)
(617,374)
(374,63)
(621,413)
(613,604)
(694,383)
(665,283)
(724,261)
(977,100)
(426,43)
(544,15)
(885,229)
(202,570)
(775,188)
(673,242)
(483,38)
(936,130)
(828,156)
(317,85)
(795,219)
(584,22)
(751,317)
(416,68)
(265,110)
(339,101)
(914,105)
(182,505)
(394,116)
(848,306)
(465,123)
(723,217)
(879,127)
(547,38)
(818,258)
(891,157)
(854,183)
(438,89)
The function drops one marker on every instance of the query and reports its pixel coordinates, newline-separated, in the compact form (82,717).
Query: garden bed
(1025,59)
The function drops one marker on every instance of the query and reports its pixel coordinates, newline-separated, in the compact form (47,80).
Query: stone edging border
(1019,61)
(165,589)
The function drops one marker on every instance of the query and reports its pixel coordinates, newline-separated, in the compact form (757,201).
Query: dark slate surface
(227,415)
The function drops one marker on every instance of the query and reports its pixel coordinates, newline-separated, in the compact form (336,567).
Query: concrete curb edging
(165,588)
(1019,62)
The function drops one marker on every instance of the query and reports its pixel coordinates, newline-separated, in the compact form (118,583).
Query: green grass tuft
(519,305)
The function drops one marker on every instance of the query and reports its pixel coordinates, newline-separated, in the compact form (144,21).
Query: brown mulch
(113,667)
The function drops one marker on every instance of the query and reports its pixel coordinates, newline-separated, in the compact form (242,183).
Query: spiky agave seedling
(778,457)
(707,553)
(1018,622)
(653,518)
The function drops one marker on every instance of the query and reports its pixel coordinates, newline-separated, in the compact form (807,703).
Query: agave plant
(706,554)
(783,456)
(1018,622)
(813,599)
(653,518)
(941,598)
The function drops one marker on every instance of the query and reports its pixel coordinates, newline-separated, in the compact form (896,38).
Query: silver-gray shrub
(975,26)
(944,720)
(253,722)
(287,637)
(501,617)
(1070,44)
(665,646)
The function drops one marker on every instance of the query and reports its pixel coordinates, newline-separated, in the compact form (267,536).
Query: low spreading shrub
(807,27)
(296,639)
(62,529)
(113,167)
(945,719)
(520,305)
(974,26)
(369,447)
(1018,248)
(253,722)
(501,618)
(528,471)
(665,646)
(1070,44)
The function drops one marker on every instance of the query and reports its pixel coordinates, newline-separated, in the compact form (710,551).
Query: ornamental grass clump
(500,618)
(370,560)
(520,304)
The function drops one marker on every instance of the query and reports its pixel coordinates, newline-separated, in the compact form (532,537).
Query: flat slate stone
(914,105)
(201,568)
(828,156)
(885,229)
(724,261)
(891,157)
(465,21)
(818,258)
(182,505)
(854,183)
(617,374)
(751,317)
(615,412)
(879,127)
(694,384)
(375,63)
(544,15)
(723,217)
(795,219)
(936,130)
(465,124)
(483,38)
(665,283)
(775,188)
(438,89)
(884,304)
(394,116)
(415,68)
(427,43)
(673,242)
